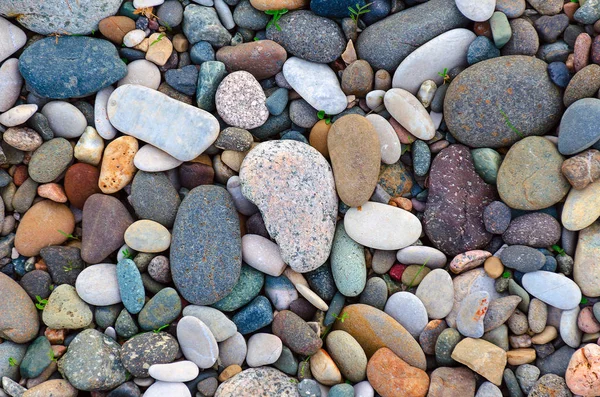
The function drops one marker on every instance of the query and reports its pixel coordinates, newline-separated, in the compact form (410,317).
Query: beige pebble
(547,335)
(520,356)
(160,49)
(117,164)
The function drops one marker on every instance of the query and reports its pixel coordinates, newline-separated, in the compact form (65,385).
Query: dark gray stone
(522,258)
(154,197)
(579,126)
(64,263)
(535,230)
(143,350)
(206,248)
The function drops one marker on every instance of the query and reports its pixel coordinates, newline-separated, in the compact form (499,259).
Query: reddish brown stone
(196,174)
(583,44)
(583,373)
(405,137)
(583,169)
(483,29)
(569,10)
(116,27)
(596,50)
(81,181)
(20,175)
(358,78)
(391,376)
(295,333)
(262,59)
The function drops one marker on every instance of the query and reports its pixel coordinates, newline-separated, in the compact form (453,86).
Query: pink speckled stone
(468,260)
(583,45)
(292,185)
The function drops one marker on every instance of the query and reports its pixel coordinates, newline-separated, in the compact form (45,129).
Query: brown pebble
(483,29)
(229,372)
(383,80)
(583,44)
(405,137)
(20,175)
(180,43)
(596,50)
(55,336)
(438,146)
(570,63)
(52,191)
(583,169)
(116,27)
(569,10)
(41,265)
(520,356)
(493,267)
(401,202)
(318,137)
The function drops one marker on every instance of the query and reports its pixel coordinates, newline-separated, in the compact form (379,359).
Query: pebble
(534,230)
(429,59)
(453,381)
(255,381)
(50,66)
(65,119)
(154,198)
(478,11)
(91,278)
(470,318)
(357,78)
(151,159)
(444,225)
(409,311)
(296,334)
(201,129)
(543,285)
(117,168)
(10,83)
(381,371)
(180,371)
(582,371)
(262,59)
(522,258)
(146,349)
(576,131)
(22,138)
(468,260)
(116,27)
(355,181)
(17,115)
(93,362)
(518,74)
(202,24)
(141,72)
(482,357)
(254,316)
(263,349)
(309,78)
(66,310)
(524,39)
(391,334)
(147,236)
(159,389)
(247,288)
(220,326)
(487,163)
(262,254)
(519,191)
(162,309)
(267,181)
(408,111)
(437,293)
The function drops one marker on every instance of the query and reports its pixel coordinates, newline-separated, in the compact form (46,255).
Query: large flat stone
(181,130)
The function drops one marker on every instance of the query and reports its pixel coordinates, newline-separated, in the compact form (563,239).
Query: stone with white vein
(150,116)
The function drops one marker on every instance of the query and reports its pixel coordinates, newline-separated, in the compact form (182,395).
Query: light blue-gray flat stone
(151,116)
(347,263)
(553,288)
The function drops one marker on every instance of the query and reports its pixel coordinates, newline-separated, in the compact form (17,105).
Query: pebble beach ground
(299,198)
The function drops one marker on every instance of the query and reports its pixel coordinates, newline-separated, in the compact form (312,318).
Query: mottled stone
(19,321)
(391,376)
(585,273)
(262,59)
(534,230)
(146,349)
(451,382)
(265,381)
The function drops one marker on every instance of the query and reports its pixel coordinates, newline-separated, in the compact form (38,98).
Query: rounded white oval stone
(382,226)
(446,51)
(476,10)
(142,72)
(163,389)
(263,349)
(197,342)
(180,371)
(262,254)
(17,115)
(65,119)
(410,113)
(147,236)
(409,311)
(553,288)
(151,159)
(388,139)
(103,126)
(98,285)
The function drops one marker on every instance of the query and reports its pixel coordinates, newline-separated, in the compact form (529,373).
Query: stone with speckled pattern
(292,185)
(262,381)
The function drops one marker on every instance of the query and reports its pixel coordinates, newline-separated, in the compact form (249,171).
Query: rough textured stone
(262,59)
(391,376)
(457,196)
(264,381)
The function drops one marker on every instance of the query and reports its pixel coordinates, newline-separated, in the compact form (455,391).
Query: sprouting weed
(67,235)
(342,318)
(256,39)
(444,74)
(156,331)
(12,362)
(41,302)
(51,355)
(69,266)
(559,250)
(506,274)
(324,116)
(293,380)
(510,125)
(360,10)
(584,300)
(159,38)
(127,254)
(276,15)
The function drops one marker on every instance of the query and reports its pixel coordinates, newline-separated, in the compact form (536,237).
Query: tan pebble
(295,277)
(55,336)
(143,46)
(204,159)
(318,137)
(547,335)
(229,372)
(349,55)
(52,191)
(118,169)
(401,202)
(520,356)
(160,49)
(493,267)
(324,369)
(265,5)
(180,43)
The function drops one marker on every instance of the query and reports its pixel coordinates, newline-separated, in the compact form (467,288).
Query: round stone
(240,101)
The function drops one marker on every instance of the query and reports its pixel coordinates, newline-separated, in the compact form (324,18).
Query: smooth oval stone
(295,333)
(581,208)
(355,156)
(421,254)
(233,350)
(65,119)
(146,349)
(197,342)
(16,116)
(141,72)
(19,321)
(348,264)
(101,122)
(457,196)
(151,159)
(409,112)
(577,126)
(50,160)
(262,254)
(93,362)
(13,38)
(206,246)
(40,227)
(374,329)
(131,287)
(197,128)
(147,236)
(436,291)
(388,139)
(316,83)
(476,10)
(265,381)
(381,226)
(180,371)
(542,186)
(387,43)
(160,389)
(522,258)
(53,68)
(154,197)
(535,230)
(262,59)
(10,83)
(409,311)
(508,83)
(308,36)
(469,320)
(269,174)
(569,331)
(98,285)
(66,310)
(348,355)
(446,51)
(117,167)
(162,309)
(553,289)
(585,272)
(104,222)
(247,288)
(220,326)
(240,101)
(202,24)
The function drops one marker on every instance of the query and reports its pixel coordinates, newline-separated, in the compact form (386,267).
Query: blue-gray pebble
(130,286)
